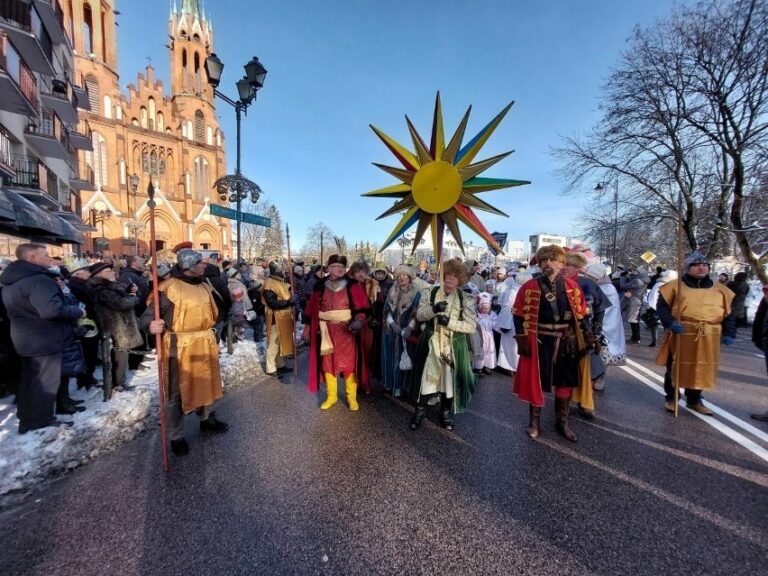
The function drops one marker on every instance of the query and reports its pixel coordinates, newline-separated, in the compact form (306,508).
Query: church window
(98,160)
(183,57)
(107,106)
(183,129)
(92,86)
(209,136)
(200,184)
(103,35)
(160,122)
(87,29)
(71,24)
(152,118)
(121,169)
(190,130)
(119,112)
(197,61)
(199,127)
(143,116)
(134,121)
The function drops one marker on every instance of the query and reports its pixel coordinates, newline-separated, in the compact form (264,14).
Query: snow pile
(27,459)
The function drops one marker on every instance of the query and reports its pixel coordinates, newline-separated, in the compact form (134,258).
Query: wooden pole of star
(293,306)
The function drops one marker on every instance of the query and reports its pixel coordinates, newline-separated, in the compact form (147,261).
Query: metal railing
(14,65)
(25,16)
(33,175)
(50,125)
(82,171)
(5,148)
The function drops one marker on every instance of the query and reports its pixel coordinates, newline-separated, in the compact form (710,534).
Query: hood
(20,269)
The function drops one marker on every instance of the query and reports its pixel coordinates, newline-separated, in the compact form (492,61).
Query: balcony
(82,100)
(82,177)
(81,138)
(34,180)
(18,86)
(56,94)
(22,22)
(6,166)
(53,19)
(49,136)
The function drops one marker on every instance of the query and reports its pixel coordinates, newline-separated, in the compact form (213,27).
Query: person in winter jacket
(634,284)
(115,304)
(740,289)
(760,338)
(40,324)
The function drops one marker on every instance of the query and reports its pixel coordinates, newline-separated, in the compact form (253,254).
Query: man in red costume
(337,311)
(553,342)
(369,346)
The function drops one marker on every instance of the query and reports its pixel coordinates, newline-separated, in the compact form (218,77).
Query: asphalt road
(293,490)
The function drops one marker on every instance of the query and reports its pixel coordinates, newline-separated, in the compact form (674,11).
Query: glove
(443,320)
(523,346)
(250,315)
(728,340)
(676,327)
(355,325)
(592,342)
(439,307)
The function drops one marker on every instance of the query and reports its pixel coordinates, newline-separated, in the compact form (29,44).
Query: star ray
(468,152)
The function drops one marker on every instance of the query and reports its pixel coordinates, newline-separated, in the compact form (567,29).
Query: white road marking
(744,425)
(737,437)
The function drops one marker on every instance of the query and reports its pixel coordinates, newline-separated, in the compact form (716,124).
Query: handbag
(405,360)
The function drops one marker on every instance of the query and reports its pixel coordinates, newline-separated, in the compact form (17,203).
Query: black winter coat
(40,319)
(130,276)
(115,312)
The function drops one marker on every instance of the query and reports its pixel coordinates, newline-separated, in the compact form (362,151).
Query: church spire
(191,7)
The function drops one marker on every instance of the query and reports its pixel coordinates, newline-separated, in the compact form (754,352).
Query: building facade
(39,129)
(539,240)
(145,135)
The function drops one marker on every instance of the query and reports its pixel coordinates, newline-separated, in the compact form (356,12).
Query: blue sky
(336,67)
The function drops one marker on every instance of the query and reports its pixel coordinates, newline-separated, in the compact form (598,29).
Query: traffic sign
(245,217)
(648,257)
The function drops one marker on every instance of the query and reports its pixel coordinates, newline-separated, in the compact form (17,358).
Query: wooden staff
(678,337)
(293,308)
(156,316)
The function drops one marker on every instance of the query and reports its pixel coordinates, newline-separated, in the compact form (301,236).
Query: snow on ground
(27,459)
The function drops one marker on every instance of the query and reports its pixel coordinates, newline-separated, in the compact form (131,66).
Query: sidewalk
(28,459)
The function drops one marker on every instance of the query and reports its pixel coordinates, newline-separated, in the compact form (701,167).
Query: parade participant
(575,265)
(40,324)
(192,374)
(474,274)
(613,326)
(337,310)
(486,320)
(367,335)
(399,323)
(552,342)
(650,316)
(385,282)
(695,312)
(279,320)
(740,289)
(505,327)
(443,362)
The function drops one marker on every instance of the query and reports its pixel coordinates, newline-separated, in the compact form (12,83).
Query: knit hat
(597,271)
(696,258)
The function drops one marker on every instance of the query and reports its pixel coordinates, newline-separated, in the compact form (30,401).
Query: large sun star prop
(440,184)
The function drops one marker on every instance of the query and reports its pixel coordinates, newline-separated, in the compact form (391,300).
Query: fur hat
(181,246)
(696,258)
(550,252)
(336,259)
(456,268)
(483,297)
(403,269)
(187,258)
(99,267)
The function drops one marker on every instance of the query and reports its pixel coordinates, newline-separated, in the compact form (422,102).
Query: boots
(635,326)
(418,417)
(331,385)
(562,426)
(350,384)
(446,412)
(653,336)
(534,421)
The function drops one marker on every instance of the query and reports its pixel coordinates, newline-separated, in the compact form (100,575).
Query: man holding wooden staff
(696,312)
(188,315)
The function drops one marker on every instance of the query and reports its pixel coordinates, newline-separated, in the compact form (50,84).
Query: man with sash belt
(695,312)
(279,320)
(553,342)
(193,377)
(337,309)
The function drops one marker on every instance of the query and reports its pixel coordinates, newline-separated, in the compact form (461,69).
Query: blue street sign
(245,217)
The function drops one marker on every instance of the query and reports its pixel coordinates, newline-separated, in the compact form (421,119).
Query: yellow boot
(333,394)
(350,385)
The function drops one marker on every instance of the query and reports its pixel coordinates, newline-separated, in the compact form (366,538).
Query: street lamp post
(134,183)
(247,87)
(602,186)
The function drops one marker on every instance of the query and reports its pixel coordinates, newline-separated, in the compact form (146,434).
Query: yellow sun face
(439,182)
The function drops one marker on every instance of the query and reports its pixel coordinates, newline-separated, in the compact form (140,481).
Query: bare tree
(319,239)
